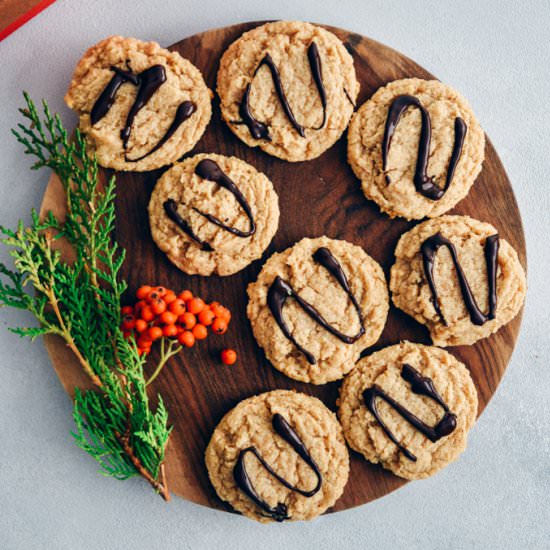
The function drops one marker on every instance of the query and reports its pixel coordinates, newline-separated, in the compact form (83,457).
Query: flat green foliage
(79,300)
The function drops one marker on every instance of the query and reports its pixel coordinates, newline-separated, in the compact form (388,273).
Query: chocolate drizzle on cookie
(243,481)
(171,208)
(421,385)
(183,112)
(148,82)
(259,130)
(107,97)
(280,290)
(317,72)
(429,250)
(210,170)
(424,184)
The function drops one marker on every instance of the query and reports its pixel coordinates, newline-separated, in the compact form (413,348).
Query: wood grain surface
(320,197)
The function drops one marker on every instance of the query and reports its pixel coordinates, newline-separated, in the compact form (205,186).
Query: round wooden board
(320,197)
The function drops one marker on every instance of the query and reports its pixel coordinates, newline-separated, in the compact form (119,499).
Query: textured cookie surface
(250,424)
(315,284)
(411,292)
(230,253)
(287,42)
(184,82)
(365,138)
(451,380)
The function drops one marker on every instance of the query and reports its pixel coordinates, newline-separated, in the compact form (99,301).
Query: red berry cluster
(160,312)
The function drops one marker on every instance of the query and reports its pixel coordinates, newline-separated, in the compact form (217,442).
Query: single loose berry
(228,356)
(127,310)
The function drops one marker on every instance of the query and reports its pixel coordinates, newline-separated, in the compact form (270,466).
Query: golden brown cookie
(417,148)
(140,106)
(408,407)
(288,87)
(457,277)
(316,306)
(278,456)
(213,214)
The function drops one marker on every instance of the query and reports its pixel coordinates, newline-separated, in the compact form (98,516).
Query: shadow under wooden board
(319,197)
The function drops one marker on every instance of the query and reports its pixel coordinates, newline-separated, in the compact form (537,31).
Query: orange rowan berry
(141,325)
(200,332)
(185,295)
(186,338)
(228,356)
(206,317)
(168,318)
(143,292)
(154,333)
(219,326)
(187,320)
(170,331)
(195,305)
(177,306)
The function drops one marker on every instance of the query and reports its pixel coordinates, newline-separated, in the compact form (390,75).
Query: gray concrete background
(496,496)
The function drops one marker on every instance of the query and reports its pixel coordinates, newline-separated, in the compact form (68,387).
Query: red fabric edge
(24,18)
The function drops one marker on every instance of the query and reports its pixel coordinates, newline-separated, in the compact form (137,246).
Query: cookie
(278,456)
(456,276)
(213,214)
(316,306)
(289,88)
(140,106)
(408,407)
(417,148)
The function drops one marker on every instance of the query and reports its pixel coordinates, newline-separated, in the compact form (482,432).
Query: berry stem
(166,352)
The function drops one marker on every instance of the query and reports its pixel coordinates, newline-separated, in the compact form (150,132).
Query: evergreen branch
(80,302)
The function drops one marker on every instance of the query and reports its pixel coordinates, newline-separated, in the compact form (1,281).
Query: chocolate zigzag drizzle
(210,170)
(259,130)
(424,184)
(243,481)
(107,97)
(280,290)
(429,250)
(183,112)
(317,72)
(148,82)
(171,208)
(420,385)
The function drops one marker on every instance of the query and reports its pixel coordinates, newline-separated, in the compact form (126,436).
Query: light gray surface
(495,496)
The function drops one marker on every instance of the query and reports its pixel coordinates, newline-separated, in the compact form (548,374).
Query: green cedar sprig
(79,301)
